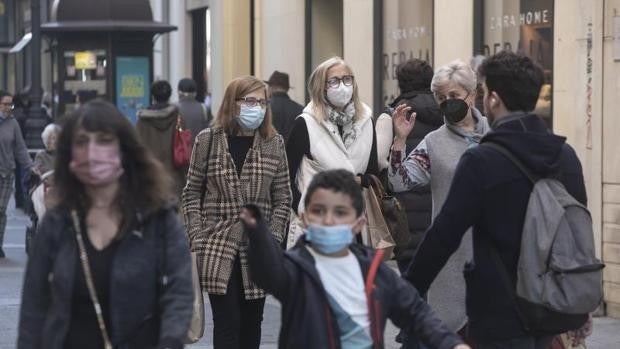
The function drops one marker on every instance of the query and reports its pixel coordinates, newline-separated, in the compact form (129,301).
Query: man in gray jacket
(194,114)
(12,149)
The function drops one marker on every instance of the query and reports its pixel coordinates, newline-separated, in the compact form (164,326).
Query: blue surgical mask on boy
(251,117)
(329,239)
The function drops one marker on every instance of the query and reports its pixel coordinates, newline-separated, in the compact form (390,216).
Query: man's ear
(495,101)
(359,225)
(302,218)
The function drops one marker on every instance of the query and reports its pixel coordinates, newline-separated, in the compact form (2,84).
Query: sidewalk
(606,330)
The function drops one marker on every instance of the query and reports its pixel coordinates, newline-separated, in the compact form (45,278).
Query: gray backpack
(559,278)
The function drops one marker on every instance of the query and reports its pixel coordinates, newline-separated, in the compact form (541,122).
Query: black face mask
(454,110)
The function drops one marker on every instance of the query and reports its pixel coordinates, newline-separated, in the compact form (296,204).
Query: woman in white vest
(335,130)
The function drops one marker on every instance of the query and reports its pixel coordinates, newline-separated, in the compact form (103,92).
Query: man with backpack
(522,191)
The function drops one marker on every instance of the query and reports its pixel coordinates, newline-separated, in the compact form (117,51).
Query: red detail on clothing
(374,308)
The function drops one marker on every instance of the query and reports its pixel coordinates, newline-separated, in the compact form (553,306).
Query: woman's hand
(402,125)
(247,218)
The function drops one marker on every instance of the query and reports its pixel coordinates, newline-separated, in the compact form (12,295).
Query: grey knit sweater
(434,161)
(12,147)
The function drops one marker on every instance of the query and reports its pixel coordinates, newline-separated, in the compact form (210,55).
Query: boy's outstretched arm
(411,313)
(265,254)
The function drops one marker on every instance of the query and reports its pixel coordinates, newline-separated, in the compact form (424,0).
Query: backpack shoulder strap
(531,176)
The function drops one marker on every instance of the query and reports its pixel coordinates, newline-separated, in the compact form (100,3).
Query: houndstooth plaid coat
(216,234)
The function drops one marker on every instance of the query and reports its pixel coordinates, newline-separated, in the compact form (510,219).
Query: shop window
(525,27)
(407,34)
(85,76)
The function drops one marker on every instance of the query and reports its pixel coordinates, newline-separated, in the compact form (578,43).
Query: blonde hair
(456,71)
(317,85)
(229,110)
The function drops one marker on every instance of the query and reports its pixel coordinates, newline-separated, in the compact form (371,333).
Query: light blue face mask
(329,239)
(251,118)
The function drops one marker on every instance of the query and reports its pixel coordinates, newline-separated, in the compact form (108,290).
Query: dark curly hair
(339,181)
(414,75)
(161,91)
(515,78)
(145,186)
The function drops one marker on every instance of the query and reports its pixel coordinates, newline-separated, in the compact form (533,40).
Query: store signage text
(527,18)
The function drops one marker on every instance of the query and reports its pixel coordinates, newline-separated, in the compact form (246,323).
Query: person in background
(115,233)
(44,160)
(336,293)
(335,130)
(240,160)
(434,162)
(194,114)
(414,81)
(284,109)
(474,64)
(12,152)
(156,127)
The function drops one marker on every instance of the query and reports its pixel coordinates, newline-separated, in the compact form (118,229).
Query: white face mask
(339,96)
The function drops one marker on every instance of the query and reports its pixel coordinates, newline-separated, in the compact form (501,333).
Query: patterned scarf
(344,119)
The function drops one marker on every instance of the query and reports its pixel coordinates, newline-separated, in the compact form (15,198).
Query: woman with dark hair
(110,264)
(239,161)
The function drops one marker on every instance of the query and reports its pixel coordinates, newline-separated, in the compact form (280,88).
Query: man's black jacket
(307,320)
(491,194)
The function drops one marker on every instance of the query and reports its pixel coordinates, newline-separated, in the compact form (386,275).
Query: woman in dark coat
(112,242)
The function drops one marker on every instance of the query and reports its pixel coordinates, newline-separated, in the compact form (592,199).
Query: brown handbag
(377,234)
(394,215)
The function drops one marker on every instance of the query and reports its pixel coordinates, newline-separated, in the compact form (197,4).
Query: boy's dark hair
(414,75)
(339,181)
(4,94)
(515,78)
(187,85)
(161,91)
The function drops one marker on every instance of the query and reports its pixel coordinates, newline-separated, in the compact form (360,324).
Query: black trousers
(236,321)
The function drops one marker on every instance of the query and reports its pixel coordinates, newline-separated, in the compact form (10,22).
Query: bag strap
(89,280)
(370,281)
(529,174)
(203,187)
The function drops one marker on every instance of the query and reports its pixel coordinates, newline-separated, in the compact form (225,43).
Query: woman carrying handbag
(110,265)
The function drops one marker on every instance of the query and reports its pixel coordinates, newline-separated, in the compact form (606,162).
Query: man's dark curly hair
(339,181)
(515,78)
(161,91)
(414,75)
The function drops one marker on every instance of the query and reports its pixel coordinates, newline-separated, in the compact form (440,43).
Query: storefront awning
(107,26)
(21,43)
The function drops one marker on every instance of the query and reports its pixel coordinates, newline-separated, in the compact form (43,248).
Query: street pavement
(606,331)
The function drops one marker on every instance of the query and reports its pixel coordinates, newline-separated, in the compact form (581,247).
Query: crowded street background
(309,174)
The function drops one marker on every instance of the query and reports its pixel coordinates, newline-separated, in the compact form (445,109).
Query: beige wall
(358,47)
(279,42)
(230,44)
(611,165)
(454,23)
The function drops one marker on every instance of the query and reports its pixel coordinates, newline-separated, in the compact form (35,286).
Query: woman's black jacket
(150,292)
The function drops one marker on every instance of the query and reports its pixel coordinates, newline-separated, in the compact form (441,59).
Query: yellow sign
(85,60)
(132,86)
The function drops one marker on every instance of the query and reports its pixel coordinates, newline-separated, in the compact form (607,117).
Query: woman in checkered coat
(240,160)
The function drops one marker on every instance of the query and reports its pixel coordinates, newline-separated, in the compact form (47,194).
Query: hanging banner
(132,85)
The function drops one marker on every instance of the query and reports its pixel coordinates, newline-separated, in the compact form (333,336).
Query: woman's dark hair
(339,181)
(515,78)
(414,75)
(161,91)
(145,186)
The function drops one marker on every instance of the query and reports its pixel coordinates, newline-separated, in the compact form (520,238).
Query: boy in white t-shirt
(335,293)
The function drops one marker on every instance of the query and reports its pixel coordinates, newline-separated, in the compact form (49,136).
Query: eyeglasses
(334,82)
(253,101)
